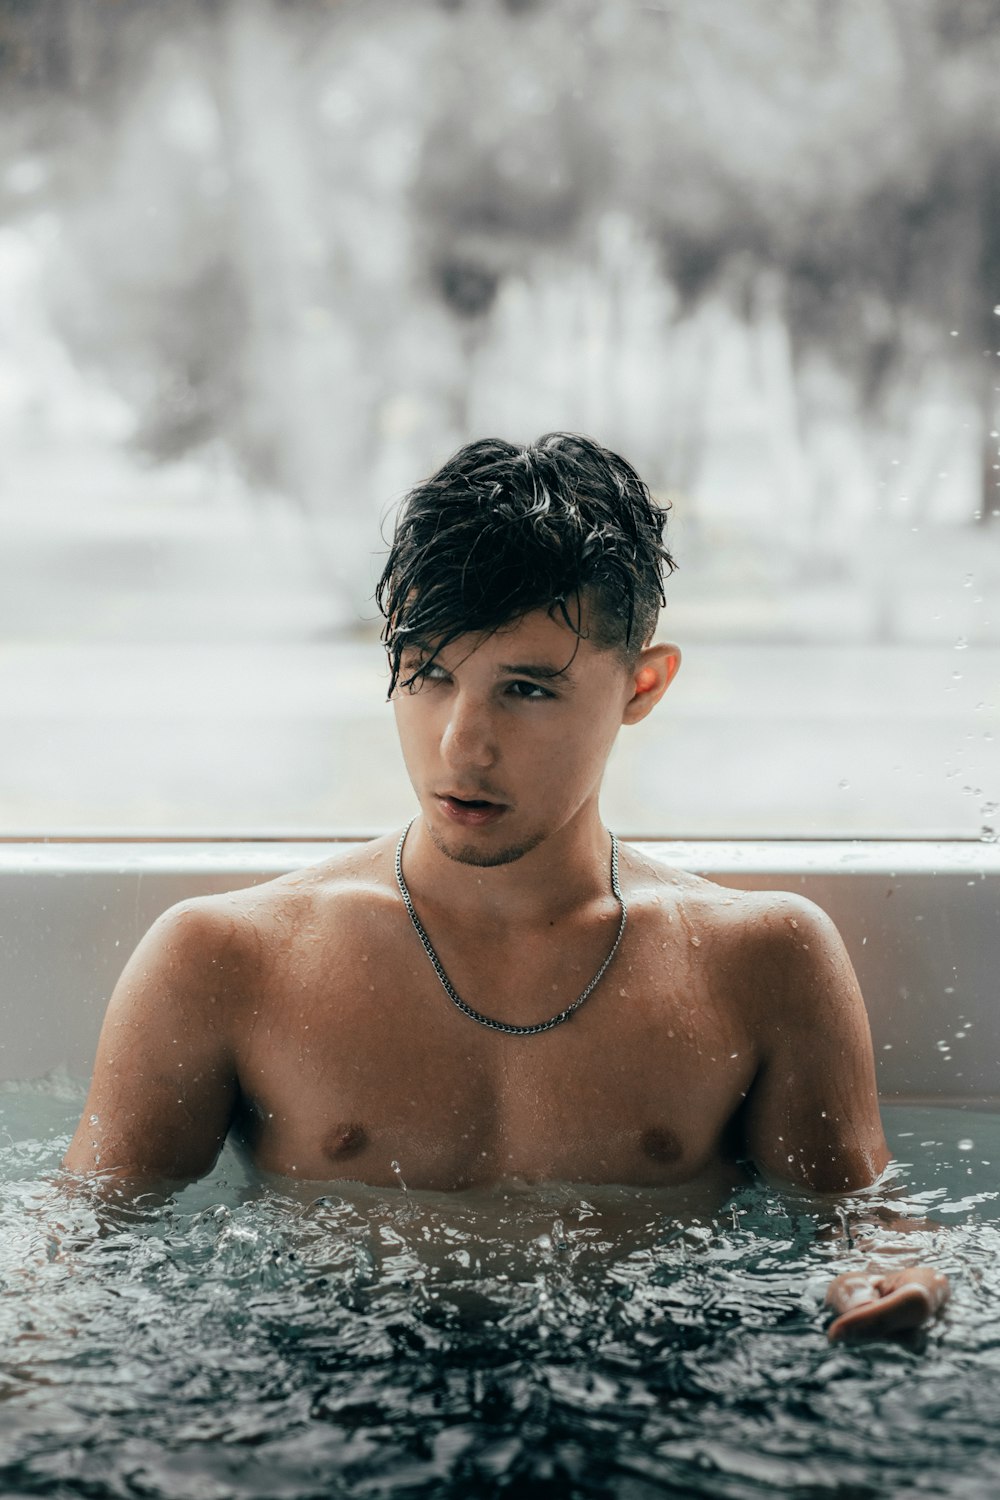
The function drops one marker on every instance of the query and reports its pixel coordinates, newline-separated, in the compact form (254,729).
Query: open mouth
(470,809)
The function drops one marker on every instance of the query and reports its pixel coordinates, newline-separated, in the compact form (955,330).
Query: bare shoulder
(796,973)
(335,897)
(785,938)
(231,934)
(751,916)
(776,941)
(652,883)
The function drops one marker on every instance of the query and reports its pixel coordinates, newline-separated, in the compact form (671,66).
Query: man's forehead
(536,644)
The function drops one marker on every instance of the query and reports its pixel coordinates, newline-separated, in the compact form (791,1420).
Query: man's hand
(874,1304)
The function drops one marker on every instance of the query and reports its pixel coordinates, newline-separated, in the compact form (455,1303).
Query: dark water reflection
(241,1342)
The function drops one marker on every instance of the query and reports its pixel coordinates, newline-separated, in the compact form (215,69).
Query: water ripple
(241,1342)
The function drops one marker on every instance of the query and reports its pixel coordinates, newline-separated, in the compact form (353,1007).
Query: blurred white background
(264,263)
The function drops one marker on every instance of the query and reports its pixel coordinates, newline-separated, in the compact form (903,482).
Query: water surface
(241,1341)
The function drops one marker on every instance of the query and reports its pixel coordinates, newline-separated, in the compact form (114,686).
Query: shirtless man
(501,991)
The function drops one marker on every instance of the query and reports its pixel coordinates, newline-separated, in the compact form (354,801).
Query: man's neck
(560,874)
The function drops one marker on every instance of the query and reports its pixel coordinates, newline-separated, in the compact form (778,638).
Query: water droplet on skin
(95,1120)
(791,1158)
(695,941)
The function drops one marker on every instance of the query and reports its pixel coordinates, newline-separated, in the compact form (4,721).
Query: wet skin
(304,1016)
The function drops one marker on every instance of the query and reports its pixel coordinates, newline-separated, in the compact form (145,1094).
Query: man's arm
(812,1115)
(164,1086)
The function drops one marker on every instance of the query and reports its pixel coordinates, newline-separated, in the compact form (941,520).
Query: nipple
(661,1145)
(344,1141)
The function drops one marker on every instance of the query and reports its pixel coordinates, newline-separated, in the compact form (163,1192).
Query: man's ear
(654,671)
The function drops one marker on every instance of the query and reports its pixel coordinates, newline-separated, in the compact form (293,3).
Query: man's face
(506,736)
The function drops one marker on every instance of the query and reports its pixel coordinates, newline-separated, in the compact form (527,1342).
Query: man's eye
(529,690)
(413,674)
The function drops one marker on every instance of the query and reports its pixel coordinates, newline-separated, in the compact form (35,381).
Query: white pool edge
(921,920)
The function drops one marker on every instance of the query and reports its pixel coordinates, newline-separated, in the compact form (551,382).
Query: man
(501,991)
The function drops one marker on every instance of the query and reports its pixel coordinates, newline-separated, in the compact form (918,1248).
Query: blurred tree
(294,227)
(854,148)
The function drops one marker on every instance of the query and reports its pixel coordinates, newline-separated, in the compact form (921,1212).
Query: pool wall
(921,922)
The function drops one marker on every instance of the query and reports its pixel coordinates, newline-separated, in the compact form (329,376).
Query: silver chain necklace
(453,994)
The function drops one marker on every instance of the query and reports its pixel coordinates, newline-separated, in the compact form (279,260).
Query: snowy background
(263,263)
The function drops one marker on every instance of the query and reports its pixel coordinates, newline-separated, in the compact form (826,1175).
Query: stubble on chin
(481,858)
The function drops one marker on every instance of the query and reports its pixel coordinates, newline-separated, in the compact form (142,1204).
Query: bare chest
(384,1080)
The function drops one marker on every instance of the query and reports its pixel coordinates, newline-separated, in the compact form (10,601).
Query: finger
(934,1283)
(909,1307)
(852,1289)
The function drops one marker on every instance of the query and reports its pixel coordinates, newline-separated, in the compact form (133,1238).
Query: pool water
(551,1341)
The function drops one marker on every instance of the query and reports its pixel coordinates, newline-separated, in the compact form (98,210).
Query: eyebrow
(536,671)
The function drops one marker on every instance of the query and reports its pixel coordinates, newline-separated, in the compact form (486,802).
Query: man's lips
(470,810)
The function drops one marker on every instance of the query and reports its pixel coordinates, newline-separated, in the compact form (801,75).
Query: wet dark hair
(501,530)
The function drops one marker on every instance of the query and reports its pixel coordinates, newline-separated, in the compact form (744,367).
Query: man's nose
(469,738)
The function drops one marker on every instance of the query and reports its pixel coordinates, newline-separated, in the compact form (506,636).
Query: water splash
(242,1340)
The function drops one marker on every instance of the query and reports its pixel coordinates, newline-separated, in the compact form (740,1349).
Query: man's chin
(465,852)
